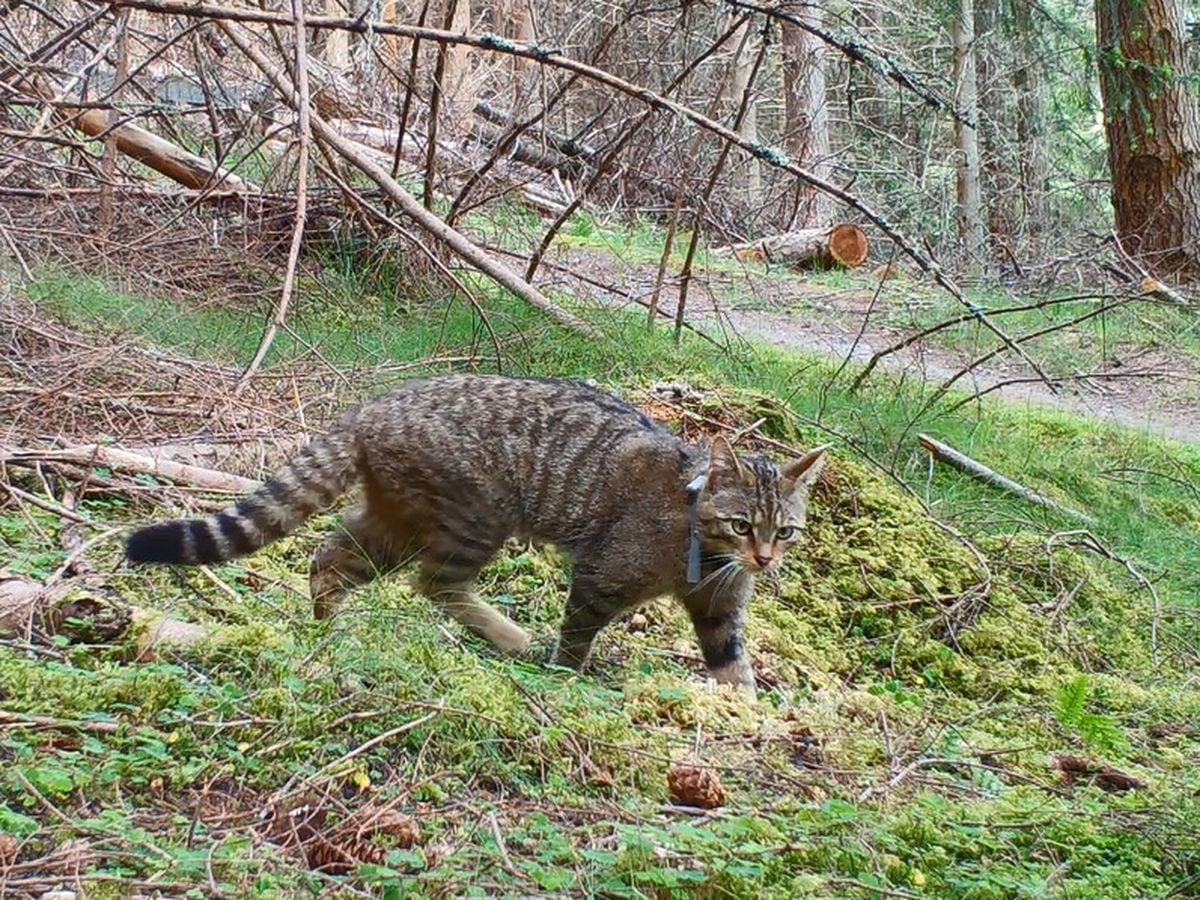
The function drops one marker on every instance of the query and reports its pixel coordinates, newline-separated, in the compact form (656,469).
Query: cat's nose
(763,561)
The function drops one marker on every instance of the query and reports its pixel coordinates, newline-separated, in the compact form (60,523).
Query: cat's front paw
(739,672)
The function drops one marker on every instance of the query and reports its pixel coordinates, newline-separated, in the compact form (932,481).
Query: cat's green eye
(740,526)
(786,533)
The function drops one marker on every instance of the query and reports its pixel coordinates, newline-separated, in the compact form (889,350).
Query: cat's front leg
(718,615)
(591,605)
(719,631)
(724,651)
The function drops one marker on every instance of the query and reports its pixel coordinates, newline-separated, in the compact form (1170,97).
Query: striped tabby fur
(452,466)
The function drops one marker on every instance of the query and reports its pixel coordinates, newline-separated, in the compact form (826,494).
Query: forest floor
(960,695)
(1145,378)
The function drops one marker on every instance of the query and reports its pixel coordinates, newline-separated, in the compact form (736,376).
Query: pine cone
(695,786)
(371,821)
(338,858)
(9,848)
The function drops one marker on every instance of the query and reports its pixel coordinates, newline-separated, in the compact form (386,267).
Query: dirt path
(798,315)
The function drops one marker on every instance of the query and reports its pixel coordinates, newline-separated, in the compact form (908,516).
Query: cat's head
(751,510)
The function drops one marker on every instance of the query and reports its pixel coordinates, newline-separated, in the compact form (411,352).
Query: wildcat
(451,466)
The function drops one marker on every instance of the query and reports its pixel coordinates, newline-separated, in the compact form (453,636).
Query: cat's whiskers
(720,570)
(727,573)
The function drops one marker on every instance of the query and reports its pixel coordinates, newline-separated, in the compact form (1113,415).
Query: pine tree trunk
(1153,125)
(807,117)
(1034,165)
(970,195)
(998,168)
(742,64)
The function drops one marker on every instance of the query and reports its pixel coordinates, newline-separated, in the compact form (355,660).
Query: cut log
(838,246)
(169,159)
(1152,287)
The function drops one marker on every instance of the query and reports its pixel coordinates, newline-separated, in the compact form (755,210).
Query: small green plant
(1098,731)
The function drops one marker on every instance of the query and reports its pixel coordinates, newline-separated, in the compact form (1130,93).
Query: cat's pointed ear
(723,464)
(806,470)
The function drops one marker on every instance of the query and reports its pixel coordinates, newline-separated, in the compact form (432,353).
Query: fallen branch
(1089,541)
(1104,776)
(361,157)
(124,460)
(29,720)
(1152,287)
(224,16)
(48,505)
(948,454)
(82,609)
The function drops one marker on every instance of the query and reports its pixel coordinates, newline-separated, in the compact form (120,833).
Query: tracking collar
(693,493)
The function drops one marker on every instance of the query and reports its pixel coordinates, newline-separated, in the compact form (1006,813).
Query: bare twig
(653,100)
(116,458)
(1087,540)
(303,135)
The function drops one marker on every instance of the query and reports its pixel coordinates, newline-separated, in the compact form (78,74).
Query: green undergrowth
(920,679)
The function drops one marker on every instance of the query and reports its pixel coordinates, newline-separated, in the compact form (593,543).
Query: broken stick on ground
(947,454)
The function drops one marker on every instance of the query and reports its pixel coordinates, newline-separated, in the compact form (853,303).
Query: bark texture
(741,65)
(966,129)
(807,115)
(1153,126)
(1028,84)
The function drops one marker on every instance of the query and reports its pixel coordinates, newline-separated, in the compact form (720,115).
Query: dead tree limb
(360,157)
(126,461)
(948,454)
(159,154)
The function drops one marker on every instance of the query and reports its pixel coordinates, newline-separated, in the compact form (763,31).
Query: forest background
(958,240)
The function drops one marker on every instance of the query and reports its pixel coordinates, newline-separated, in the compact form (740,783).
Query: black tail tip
(162,543)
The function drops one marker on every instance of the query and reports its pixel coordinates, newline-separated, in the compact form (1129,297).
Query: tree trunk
(459,85)
(515,17)
(998,168)
(806,113)
(970,199)
(1153,126)
(337,42)
(1033,163)
(739,82)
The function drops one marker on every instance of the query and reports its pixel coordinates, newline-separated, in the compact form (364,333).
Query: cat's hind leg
(363,548)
